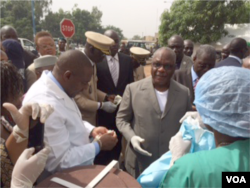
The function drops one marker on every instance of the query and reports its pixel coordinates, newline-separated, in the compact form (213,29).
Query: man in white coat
(65,132)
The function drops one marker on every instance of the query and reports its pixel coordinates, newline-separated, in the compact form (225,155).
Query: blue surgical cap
(222,98)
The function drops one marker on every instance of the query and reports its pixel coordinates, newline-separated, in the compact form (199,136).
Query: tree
(202,21)
(116,29)
(19,15)
(137,37)
(52,21)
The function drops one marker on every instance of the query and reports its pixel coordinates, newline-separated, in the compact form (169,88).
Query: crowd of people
(97,106)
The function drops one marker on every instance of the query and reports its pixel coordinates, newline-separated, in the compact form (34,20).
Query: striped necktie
(114,71)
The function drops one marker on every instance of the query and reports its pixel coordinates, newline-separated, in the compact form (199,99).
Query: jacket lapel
(150,92)
(172,94)
(121,67)
(190,83)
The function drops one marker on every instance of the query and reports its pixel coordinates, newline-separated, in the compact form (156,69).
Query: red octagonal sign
(67,28)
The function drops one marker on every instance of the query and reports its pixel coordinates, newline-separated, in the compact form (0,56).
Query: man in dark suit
(238,51)
(176,43)
(204,60)
(114,73)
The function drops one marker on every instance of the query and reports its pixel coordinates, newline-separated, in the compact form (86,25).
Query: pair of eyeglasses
(166,67)
(47,46)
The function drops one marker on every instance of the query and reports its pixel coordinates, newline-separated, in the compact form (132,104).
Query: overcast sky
(133,17)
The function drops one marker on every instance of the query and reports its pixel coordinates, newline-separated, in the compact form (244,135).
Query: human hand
(108,140)
(111,98)
(108,107)
(28,167)
(135,141)
(194,115)
(21,117)
(99,131)
(178,147)
(194,108)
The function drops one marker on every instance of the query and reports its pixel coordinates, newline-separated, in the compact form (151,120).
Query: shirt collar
(232,56)
(51,76)
(194,75)
(115,57)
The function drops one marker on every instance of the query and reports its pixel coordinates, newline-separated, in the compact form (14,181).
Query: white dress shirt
(64,131)
(162,99)
(115,60)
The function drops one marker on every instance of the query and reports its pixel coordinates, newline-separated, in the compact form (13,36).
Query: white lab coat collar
(58,93)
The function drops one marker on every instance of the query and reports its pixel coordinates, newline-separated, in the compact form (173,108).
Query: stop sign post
(67,29)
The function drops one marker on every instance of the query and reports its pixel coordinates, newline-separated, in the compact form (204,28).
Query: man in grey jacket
(150,112)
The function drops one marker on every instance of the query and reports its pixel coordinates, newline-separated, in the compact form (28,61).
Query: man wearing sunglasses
(204,60)
(150,111)
(91,99)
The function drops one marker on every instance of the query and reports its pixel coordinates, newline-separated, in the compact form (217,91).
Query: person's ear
(67,75)
(91,49)
(194,58)
(37,48)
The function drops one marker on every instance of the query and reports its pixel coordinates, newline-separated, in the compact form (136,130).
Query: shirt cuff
(97,148)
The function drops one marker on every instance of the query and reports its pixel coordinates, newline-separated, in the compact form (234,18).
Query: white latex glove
(108,107)
(135,141)
(178,147)
(28,167)
(21,117)
(194,115)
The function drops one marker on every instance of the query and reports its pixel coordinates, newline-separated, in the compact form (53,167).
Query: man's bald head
(73,71)
(163,67)
(162,51)
(246,62)
(188,47)
(8,32)
(176,43)
(238,47)
(113,35)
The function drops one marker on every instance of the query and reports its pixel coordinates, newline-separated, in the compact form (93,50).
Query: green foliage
(116,29)
(202,21)
(18,14)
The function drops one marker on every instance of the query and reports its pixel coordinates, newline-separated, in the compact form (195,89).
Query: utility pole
(33,18)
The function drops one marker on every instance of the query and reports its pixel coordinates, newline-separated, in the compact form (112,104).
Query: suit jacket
(184,77)
(186,63)
(229,61)
(139,73)
(88,99)
(105,83)
(139,114)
